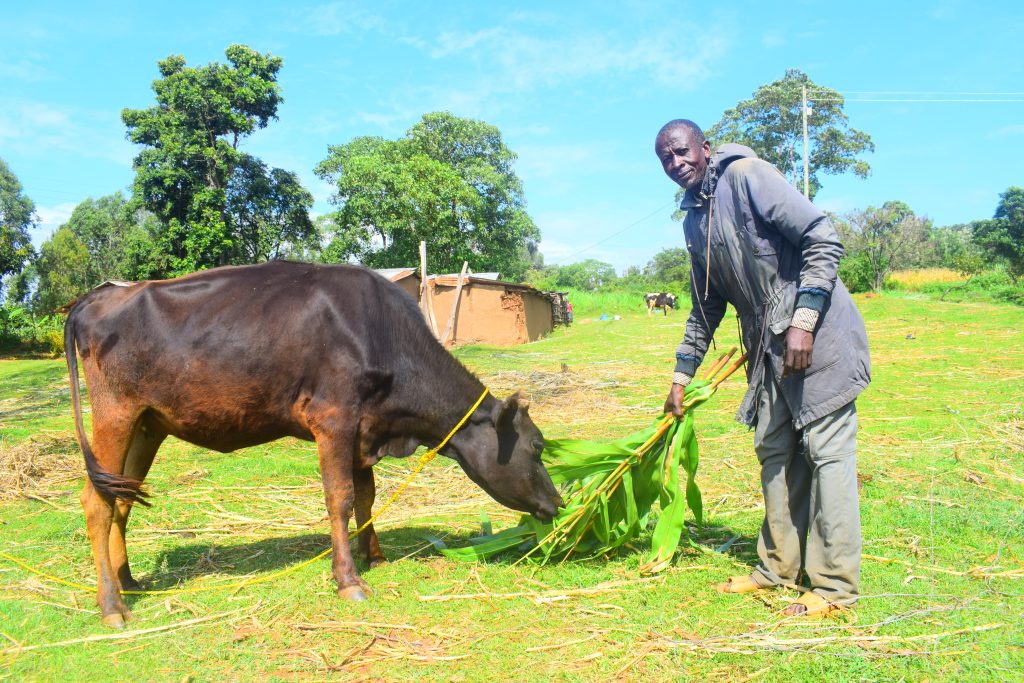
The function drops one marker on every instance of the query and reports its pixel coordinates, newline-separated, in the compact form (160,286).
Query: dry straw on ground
(31,469)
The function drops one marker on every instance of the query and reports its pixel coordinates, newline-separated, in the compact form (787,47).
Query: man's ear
(707,150)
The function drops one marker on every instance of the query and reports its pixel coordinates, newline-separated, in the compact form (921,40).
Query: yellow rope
(423,460)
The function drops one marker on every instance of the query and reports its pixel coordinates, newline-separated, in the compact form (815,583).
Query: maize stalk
(610,490)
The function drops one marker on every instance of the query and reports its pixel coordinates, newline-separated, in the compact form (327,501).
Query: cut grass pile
(942,498)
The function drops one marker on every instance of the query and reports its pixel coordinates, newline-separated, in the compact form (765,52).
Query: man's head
(683,152)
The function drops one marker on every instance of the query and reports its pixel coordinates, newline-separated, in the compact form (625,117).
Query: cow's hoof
(377,562)
(130,584)
(353,593)
(115,620)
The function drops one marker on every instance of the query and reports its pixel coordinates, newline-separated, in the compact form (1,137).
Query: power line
(892,99)
(619,232)
(915,92)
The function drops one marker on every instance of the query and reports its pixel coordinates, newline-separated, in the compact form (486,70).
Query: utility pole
(803,109)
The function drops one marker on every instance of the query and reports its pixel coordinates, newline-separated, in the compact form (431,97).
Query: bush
(856,273)
(21,332)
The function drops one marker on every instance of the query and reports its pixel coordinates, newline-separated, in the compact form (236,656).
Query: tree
(270,211)
(449,182)
(670,265)
(17,217)
(214,201)
(589,275)
(1003,235)
(884,239)
(772,124)
(106,238)
(63,268)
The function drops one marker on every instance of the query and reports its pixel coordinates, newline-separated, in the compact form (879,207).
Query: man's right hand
(673,404)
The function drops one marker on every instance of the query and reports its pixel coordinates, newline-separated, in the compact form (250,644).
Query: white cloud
(50,218)
(24,70)
(337,18)
(1013,129)
(773,39)
(35,128)
(515,60)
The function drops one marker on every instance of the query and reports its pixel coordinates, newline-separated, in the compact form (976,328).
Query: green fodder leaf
(483,548)
(693,495)
(670,526)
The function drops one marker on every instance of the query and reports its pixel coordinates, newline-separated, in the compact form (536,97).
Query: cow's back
(229,352)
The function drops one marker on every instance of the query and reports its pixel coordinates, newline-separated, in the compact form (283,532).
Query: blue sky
(578,90)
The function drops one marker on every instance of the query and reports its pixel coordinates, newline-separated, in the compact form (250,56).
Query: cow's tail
(114,485)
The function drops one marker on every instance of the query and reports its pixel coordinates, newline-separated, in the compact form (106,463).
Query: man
(757,243)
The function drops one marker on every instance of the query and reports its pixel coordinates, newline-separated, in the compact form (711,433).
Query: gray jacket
(770,246)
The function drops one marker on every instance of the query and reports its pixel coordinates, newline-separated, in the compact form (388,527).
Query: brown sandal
(739,584)
(814,607)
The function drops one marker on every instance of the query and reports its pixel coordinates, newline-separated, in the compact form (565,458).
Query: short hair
(689,125)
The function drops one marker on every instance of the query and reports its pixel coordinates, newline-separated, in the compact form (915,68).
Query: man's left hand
(799,344)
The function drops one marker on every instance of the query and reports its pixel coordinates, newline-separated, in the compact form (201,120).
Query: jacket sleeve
(781,206)
(705,315)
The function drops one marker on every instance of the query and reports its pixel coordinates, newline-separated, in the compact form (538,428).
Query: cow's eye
(538,445)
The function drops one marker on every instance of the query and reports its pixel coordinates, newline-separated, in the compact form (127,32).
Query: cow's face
(501,453)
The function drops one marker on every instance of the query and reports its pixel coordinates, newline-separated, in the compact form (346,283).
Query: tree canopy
(1002,236)
(216,204)
(884,239)
(17,216)
(771,123)
(449,181)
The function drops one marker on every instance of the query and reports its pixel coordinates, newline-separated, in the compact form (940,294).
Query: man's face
(683,158)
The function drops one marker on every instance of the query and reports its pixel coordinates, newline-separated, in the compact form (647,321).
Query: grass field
(941,465)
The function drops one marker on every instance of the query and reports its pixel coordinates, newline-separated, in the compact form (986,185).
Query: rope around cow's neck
(239,585)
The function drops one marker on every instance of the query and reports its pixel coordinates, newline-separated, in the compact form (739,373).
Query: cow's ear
(507,412)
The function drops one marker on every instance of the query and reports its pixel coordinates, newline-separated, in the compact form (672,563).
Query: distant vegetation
(199,201)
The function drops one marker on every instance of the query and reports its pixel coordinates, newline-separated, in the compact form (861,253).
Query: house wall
(538,315)
(490,315)
(411,285)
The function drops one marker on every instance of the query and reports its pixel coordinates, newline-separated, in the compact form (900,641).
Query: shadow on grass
(180,565)
(190,561)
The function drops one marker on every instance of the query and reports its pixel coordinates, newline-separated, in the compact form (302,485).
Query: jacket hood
(720,160)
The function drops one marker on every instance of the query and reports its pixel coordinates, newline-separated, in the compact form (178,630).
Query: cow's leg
(336,450)
(145,442)
(109,443)
(366,491)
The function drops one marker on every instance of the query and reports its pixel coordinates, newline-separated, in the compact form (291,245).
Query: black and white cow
(662,300)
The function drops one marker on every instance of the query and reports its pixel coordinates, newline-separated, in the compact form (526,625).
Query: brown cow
(239,356)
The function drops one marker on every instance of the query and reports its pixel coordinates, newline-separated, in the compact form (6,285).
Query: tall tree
(884,239)
(64,270)
(269,209)
(449,181)
(669,265)
(192,174)
(771,123)
(106,238)
(1003,235)
(17,216)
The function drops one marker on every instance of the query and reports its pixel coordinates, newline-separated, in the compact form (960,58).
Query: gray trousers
(812,516)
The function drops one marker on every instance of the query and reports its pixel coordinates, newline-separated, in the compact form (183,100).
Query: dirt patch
(31,469)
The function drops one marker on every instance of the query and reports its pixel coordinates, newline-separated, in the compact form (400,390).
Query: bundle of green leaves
(610,490)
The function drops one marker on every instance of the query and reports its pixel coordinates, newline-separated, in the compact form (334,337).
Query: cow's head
(500,450)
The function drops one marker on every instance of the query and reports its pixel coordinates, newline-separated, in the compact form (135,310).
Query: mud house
(486,310)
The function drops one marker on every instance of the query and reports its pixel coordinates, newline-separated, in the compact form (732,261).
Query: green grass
(941,458)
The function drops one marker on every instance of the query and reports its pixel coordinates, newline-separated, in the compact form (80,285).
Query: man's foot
(811,606)
(739,584)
